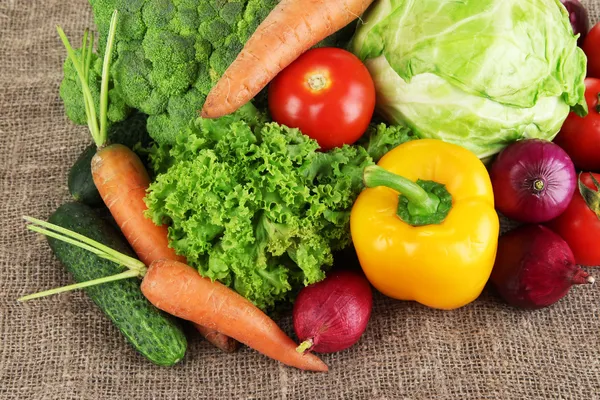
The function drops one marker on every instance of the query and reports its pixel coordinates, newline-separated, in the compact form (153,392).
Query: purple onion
(533,180)
(579,18)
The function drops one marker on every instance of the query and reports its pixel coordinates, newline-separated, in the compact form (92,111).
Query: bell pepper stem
(420,201)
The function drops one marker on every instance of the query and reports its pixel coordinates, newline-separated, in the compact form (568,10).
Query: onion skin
(535,268)
(534,181)
(578,16)
(331,315)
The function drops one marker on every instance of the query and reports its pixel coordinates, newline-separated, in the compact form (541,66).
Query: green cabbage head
(478,73)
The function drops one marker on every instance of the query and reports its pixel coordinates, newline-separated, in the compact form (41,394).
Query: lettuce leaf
(254,205)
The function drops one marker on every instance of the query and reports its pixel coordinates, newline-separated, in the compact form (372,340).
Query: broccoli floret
(169,54)
(70,93)
(173,60)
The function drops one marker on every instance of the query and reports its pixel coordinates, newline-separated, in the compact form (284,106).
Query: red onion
(534,181)
(332,315)
(535,268)
(578,17)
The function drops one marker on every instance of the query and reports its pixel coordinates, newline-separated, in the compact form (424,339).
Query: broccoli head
(169,54)
(70,93)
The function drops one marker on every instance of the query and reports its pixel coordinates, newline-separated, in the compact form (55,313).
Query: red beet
(535,267)
(332,315)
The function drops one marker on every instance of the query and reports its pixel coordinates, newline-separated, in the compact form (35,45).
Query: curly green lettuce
(254,205)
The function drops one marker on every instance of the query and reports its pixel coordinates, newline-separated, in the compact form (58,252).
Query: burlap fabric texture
(64,348)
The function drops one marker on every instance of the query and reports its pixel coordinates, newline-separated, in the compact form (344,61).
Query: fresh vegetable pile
(266,156)
(168,56)
(254,205)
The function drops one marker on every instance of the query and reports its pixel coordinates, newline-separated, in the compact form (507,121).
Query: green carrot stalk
(135,268)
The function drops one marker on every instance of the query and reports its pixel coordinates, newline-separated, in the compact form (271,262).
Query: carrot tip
(316,364)
(210,112)
(322,368)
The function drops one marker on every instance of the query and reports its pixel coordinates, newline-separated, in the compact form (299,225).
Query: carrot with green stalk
(119,174)
(179,290)
(293,27)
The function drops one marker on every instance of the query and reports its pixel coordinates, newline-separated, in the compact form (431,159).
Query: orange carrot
(179,290)
(118,173)
(122,182)
(217,339)
(293,27)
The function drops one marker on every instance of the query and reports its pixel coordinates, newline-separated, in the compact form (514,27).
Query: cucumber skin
(129,133)
(80,181)
(152,332)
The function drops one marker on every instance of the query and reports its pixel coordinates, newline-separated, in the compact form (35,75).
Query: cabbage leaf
(478,73)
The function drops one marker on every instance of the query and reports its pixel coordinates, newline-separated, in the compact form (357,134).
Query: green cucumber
(129,132)
(153,333)
(80,181)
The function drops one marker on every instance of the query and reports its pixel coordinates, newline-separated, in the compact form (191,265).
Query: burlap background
(63,347)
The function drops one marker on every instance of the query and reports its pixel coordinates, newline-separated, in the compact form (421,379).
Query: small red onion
(535,268)
(578,17)
(533,180)
(332,315)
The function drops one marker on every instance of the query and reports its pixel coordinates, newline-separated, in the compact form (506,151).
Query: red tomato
(591,48)
(327,93)
(579,225)
(580,137)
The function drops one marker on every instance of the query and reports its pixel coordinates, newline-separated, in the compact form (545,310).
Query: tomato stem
(590,196)
(317,82)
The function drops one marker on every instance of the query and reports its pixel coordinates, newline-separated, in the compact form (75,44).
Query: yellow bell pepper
(425,228)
